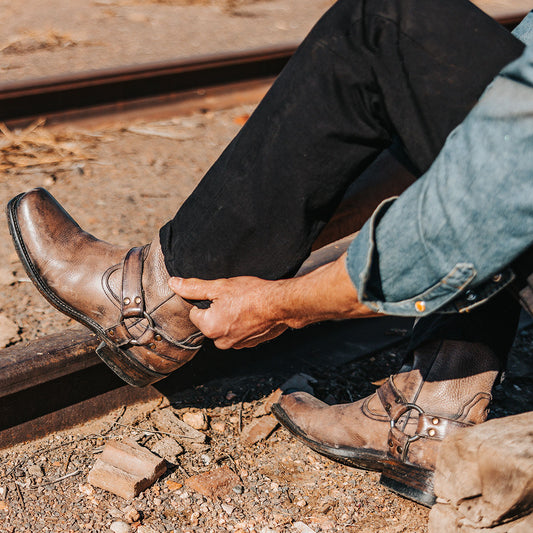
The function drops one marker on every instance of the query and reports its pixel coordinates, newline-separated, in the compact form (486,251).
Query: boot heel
(410,482)
(127,369)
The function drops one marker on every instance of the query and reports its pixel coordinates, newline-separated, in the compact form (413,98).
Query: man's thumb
(194,289)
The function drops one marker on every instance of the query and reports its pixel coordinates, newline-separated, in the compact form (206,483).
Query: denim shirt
(445,242)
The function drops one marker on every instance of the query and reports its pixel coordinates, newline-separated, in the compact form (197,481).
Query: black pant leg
(369,71)
(492,324)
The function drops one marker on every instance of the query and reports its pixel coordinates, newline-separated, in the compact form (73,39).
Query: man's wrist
(326,293)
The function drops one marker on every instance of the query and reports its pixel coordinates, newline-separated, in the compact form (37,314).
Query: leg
(446,385)
(368,72)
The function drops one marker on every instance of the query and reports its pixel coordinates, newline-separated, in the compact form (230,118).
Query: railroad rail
(58,381)
(181,85)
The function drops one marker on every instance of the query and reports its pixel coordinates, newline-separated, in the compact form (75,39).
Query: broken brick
(265,407)
(217,483)
(259,429)
(126,469)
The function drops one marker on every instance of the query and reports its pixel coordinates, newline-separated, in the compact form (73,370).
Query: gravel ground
(282,487)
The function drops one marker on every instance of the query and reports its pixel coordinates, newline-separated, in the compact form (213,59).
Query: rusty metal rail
(56,382)
(89,94)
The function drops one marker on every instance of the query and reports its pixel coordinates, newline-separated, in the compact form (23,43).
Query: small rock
(301,503)
(266,406)
(198,448)
(3,506)
(114,512)
(214,484)
(165,420)
(168,449)
(218,426)
(194,518)
(228,508)
(9,331)
(120,527)
(238,489)
(230,395)
(173,485)
(299,382)
(86,488)
(205,458)
(196,420)
(35,470)
(146,529)
(302,528)
(259,429)
(157,502)
(131,514)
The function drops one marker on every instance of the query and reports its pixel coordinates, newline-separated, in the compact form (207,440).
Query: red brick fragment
(259,429)
(214,484)
(126,469)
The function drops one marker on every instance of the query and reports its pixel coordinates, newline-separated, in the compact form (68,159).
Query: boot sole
(122,364)
(409,481)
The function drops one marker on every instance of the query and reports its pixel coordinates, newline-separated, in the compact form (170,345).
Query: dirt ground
(281,487)
(99,176)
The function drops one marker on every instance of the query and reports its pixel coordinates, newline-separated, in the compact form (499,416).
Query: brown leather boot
(398,429)
(121,295)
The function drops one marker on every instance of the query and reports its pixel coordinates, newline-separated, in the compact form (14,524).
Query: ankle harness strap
(434,427)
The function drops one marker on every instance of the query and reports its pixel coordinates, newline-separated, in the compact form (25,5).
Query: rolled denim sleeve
(443,243)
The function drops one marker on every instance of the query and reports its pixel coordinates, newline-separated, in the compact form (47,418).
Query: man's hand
(246,311)
(240,315)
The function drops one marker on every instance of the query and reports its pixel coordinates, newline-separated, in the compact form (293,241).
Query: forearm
(326,293)
(246,311)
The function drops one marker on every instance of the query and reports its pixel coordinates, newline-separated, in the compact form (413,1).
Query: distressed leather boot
(120,294)
(398,429)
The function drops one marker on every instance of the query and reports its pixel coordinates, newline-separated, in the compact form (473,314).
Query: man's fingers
(191,288)
(251,342)
(200,318)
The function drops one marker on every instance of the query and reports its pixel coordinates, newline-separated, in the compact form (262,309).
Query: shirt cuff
(450,294)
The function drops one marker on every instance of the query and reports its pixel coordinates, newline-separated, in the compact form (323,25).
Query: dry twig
(36,146)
